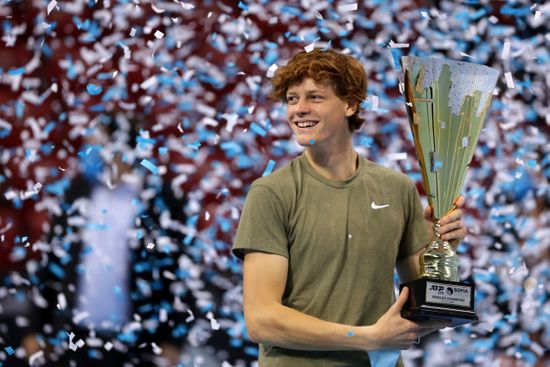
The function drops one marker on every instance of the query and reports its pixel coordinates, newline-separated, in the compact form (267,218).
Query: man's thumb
(401,300)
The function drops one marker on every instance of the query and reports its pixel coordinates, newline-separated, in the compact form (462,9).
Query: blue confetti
(93,89)
(243,6)
(258,129)
(17,71)
(56,270)
(150,166)
(139,234)
(269,168)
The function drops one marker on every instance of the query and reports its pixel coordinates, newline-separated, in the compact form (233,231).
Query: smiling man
(321,237)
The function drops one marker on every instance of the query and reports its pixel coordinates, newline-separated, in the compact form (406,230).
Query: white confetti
(5,125)
(375,102)
(206,110)
(10,194)
(74,346)
(158,34)
(310,47)
(37,187)
(347,7)
(61,301)
(509,80)
(149,82)
(397,156)
(505,50)
(271,70)
(156,349)
(169,275)
(191,317)
(486,326)
(215,325)
(398,45)
(537,349)
(80,316)
(51,5)
(36,356)
(187,6)
(163,315)
(157,9)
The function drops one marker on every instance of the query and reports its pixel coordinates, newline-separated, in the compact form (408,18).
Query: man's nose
(302,107)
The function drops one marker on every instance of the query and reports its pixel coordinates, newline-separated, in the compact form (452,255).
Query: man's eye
(291,99)
(316,97)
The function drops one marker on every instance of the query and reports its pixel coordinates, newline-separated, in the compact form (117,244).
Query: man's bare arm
(269,321)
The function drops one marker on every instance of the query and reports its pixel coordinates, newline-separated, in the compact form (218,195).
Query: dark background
(200,88)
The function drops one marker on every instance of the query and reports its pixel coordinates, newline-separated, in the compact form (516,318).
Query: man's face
(317,115)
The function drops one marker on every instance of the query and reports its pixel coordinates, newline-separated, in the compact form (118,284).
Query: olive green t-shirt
(342,240)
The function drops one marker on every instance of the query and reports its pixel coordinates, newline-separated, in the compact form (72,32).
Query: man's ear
(351,108)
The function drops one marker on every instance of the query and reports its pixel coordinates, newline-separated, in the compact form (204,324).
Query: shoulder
(281,180)
(388,177)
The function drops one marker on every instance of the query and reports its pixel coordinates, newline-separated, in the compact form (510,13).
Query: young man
(320,237)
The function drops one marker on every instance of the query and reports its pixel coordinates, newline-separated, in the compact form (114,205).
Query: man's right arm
(270,322)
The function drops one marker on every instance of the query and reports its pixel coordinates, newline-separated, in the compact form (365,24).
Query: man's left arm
(452,229)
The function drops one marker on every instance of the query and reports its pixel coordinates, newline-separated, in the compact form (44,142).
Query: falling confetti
(197,78)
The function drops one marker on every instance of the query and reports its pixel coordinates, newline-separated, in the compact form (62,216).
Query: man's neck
(337,165)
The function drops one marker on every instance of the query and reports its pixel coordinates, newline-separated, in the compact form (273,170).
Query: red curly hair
(345,73)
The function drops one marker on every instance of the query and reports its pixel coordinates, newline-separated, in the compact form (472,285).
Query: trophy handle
(439,259)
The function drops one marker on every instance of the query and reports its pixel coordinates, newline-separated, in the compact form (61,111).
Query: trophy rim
(444,60)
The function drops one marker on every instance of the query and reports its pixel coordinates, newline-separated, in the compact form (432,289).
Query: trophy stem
(439,260)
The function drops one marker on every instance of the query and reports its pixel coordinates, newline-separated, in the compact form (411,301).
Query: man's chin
(305,142)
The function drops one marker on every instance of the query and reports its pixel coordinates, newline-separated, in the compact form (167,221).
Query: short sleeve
(415,236)
(262,225)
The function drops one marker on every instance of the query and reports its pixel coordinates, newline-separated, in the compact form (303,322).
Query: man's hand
(452,227)
(394,332)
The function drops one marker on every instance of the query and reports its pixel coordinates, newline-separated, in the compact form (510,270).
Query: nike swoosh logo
(374,206)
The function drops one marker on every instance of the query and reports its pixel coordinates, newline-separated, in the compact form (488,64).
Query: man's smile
(304,124)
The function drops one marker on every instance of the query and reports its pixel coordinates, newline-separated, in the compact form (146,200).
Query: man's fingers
(453,226)
(457,235)
(460,201)
(454,216)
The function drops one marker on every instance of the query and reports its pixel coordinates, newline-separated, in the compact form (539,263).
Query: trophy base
(433,299)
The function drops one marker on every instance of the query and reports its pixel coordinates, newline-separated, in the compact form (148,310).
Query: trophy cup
(446,103)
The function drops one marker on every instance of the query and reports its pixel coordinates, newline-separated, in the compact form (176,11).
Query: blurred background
(194,76)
